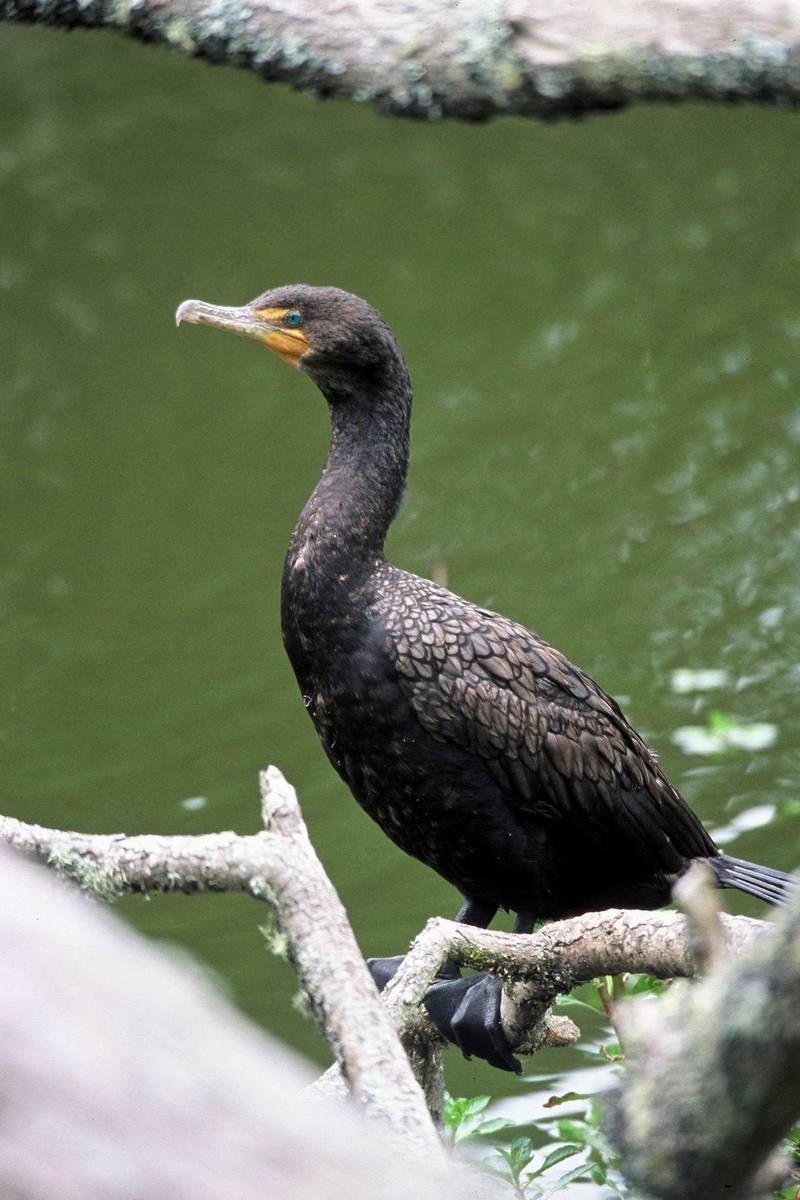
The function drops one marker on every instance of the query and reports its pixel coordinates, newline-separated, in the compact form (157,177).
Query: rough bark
(730,1047)
(476,58)
(279,867)
(124,1076)
(713,1076)
(537,968)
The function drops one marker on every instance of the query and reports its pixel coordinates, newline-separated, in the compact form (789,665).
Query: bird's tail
(776,887)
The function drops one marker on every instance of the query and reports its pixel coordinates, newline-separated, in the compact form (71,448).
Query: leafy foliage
(528,1167)
(462,1118)
(529,1170)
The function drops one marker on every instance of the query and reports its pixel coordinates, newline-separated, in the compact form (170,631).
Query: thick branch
(542,966)
(475,59)
(713,1078)
(279,867)
(567,953)
(123,1076)
(549,963)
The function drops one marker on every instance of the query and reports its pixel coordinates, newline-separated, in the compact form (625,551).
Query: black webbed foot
(384,969)
(467,1013)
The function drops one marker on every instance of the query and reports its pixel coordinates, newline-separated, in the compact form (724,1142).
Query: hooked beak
(263,325)
(244,321)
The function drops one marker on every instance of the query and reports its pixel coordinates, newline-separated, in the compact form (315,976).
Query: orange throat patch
(288,344)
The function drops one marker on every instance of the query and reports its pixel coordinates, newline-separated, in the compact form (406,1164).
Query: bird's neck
(339,538)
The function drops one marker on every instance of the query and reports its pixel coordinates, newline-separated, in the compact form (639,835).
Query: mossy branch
(713,1076)
(267,865)
(475,59)
(279,868)
(125,1076)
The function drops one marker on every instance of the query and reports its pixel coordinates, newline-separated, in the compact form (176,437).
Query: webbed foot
(384,969)
(467,1013)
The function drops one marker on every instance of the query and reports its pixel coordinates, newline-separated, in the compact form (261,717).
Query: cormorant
(476,746)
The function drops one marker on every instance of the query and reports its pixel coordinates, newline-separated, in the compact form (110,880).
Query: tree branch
(692,1054)
(713,1078)
(540,967)
(729,1046)
(475,59)
(279,867)
(125,1076)
(697,895)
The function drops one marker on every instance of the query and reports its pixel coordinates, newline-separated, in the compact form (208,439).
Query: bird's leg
(475,912)
(524,922)
(384,969)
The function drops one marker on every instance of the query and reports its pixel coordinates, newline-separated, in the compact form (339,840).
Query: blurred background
(602,321)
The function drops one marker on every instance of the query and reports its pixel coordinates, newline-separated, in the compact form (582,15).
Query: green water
(603,325)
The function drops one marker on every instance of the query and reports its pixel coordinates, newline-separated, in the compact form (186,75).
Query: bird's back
(484,752)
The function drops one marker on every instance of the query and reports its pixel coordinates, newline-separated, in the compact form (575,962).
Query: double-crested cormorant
(476,746)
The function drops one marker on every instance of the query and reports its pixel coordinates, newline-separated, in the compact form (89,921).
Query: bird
(476,746)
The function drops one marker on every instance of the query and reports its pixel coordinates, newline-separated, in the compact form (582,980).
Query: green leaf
(449,1108)
(521,1149)
(572,1131)
(518,1156)
(458,1109)
(476,1104)
(643,985)
(494,1126)
(558,1155)
(579,1172)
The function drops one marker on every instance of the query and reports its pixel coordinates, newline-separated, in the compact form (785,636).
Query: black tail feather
(776,887)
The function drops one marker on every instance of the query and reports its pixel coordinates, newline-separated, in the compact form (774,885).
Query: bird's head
(328,333)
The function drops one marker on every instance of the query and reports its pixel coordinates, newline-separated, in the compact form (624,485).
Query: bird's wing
(559,747)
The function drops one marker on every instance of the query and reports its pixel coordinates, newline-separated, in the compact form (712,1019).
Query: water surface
(602,321)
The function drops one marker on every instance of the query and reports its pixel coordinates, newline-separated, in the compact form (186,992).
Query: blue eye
(293,318)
